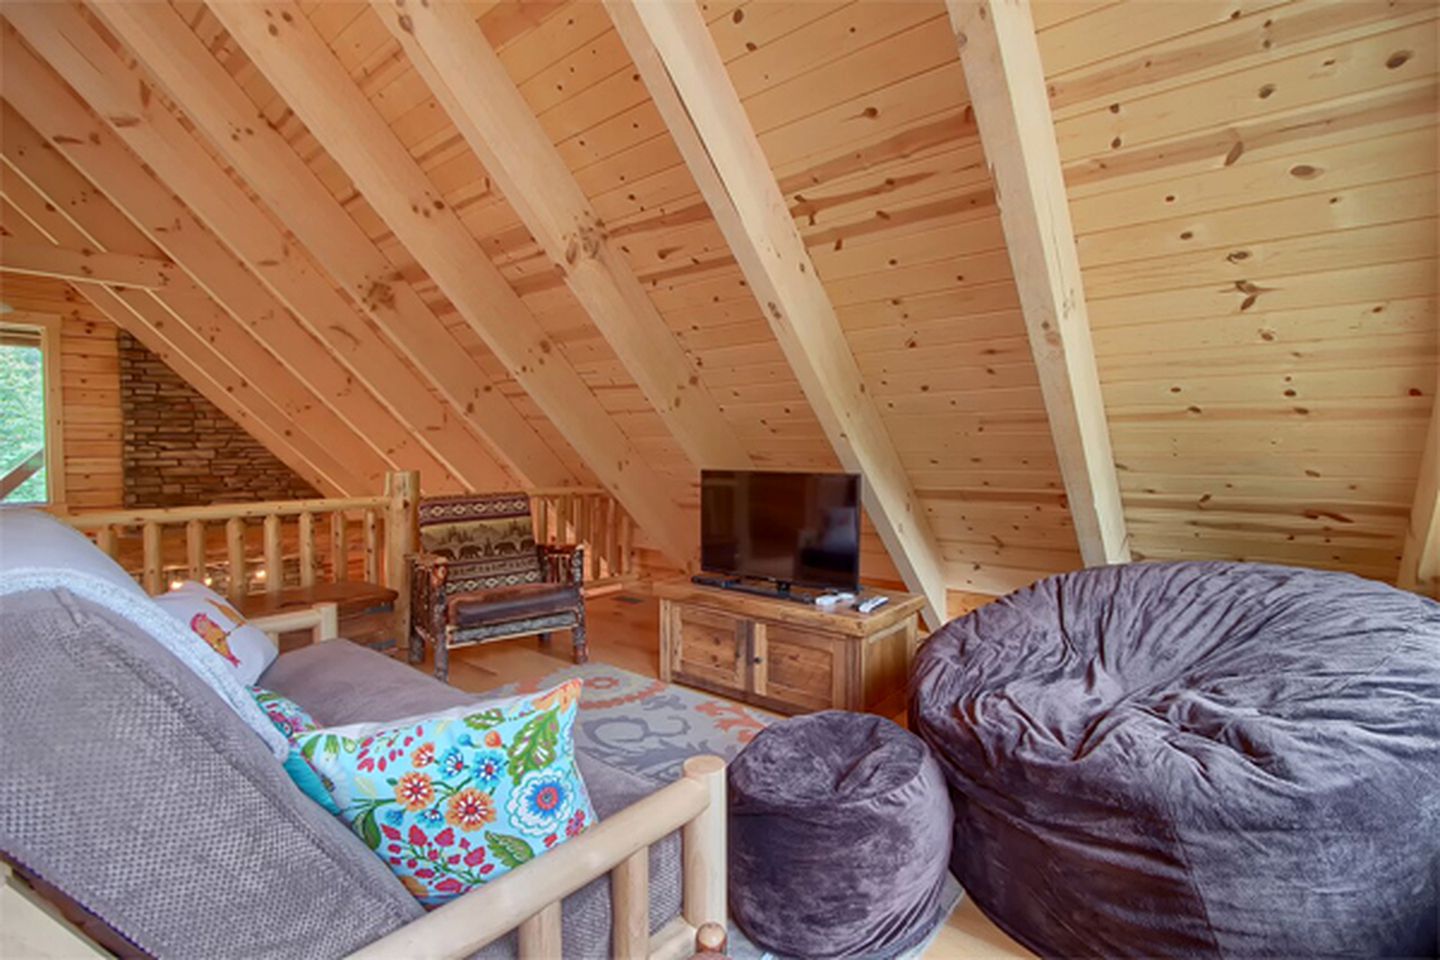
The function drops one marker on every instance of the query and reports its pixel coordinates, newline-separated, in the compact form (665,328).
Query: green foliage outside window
(22,417)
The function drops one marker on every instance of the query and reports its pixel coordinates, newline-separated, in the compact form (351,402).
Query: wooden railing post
(235,551)
(703,846)
(339,548)
(627,536)
(372,546)
(402,526)
(274,555)
(195,550)
(154,571)
(105,540)
(307,549)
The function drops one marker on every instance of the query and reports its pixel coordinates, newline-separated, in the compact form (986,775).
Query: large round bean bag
(839,837)
(1199,759)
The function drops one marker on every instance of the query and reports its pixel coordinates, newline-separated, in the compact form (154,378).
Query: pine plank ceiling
(1252,185)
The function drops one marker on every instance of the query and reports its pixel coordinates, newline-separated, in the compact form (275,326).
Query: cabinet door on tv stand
(797,668)
(710,647)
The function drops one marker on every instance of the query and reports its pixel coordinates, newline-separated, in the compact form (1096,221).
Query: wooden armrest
(562,562)
(528,896)
(322,620)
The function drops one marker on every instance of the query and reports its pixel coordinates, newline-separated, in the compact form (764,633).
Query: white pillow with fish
(211,618)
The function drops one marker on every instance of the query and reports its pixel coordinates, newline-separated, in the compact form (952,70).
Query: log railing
(245,548)
(589,516)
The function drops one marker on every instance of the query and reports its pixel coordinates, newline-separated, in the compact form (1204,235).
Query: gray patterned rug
(649,726)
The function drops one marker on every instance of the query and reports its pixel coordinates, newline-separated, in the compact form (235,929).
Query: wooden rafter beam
(1420,561)
(1001,60)
(83,263)
(284,46)
(677,60)
(415,428)
(184,67)
(451,53)
(138,313)
(182,325)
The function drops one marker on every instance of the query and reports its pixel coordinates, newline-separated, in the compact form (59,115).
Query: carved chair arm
(563,563)
(428,573)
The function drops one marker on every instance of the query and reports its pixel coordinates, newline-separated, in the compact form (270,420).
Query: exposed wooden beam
(127,308)
(198,339)
(82,263)
(66,134)
(284,46)
(677,60)
(451,53)
(1001,60)
(418,430)
(217,105)
(1420,561)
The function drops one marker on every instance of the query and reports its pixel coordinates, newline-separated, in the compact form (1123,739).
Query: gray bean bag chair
(839,837)
(1194,759)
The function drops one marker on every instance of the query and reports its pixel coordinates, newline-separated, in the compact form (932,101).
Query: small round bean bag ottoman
(1194,759)
(839,837)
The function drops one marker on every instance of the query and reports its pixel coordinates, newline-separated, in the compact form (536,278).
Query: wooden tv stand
(786,656)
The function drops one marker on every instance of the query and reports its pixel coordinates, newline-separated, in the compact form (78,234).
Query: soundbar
(740,586)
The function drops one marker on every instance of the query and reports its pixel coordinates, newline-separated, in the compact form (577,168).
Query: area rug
(648,726)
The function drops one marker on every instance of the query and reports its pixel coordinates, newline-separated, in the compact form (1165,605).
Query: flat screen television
(793,528)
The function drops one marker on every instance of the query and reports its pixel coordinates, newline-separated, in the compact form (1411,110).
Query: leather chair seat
(520,602)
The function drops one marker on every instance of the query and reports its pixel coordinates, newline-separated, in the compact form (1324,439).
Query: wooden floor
(624,631)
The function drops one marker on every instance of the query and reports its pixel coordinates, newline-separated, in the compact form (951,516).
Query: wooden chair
(480,577)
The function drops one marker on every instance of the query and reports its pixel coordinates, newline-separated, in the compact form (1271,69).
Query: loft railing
(244,548)
(240,549)
(592,517)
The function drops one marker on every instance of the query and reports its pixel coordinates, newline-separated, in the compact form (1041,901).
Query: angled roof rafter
(678,61)
(453,56)
(40,186)
(418,430)
(80,263)
(284,46)
(216,104)
(1420,561)
(1001,60)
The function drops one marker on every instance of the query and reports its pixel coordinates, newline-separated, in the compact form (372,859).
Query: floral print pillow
(288,716)
(453,801)
(291,719)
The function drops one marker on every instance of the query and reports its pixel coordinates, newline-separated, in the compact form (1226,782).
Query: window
(31,460)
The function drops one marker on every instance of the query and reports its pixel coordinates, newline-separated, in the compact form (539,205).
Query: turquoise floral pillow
(454,800)
(287,715)
(291,719)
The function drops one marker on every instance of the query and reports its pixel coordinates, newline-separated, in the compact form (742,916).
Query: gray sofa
(131,789)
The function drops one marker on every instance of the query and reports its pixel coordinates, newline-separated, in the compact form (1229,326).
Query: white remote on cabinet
(872,603)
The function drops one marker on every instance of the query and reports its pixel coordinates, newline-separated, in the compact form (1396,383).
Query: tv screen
(800,528)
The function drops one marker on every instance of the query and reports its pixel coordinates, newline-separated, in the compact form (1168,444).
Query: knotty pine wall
(90,389)
(1253,185)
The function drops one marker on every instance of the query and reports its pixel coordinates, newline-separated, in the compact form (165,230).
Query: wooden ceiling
(571,279)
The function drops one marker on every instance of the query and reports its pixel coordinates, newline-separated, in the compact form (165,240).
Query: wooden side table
(786,656)
(367,610)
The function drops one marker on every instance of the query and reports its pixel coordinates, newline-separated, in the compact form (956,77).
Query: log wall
(90,389)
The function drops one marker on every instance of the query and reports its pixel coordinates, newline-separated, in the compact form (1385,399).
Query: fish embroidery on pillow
(215,635)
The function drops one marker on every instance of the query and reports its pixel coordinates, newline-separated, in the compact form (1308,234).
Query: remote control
(873,603)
